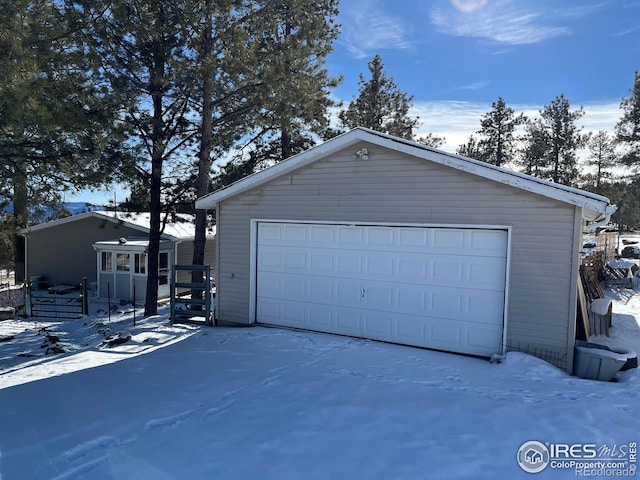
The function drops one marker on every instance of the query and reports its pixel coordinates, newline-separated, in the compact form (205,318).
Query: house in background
(379,237)
(109,249)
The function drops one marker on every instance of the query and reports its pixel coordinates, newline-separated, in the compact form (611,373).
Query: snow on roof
(595,207)
(182,227)
(128,243)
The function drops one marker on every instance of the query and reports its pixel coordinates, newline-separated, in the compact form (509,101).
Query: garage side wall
(391,187)
(64,253)
(185,256)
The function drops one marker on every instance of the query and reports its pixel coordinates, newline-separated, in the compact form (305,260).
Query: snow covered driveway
(233,403)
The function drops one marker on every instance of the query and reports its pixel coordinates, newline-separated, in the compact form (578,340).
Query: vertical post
(109,299)
(172,294)
(85,297)
(28,289)
(207,295)
(134,304)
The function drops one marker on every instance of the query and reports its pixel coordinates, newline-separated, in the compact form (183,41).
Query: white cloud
(456,121)
(501,21)
(467,6)
(366,29)
(472,86)
(627,31)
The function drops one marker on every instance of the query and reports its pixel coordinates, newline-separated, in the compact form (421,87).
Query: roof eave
(587,201)
(289,165)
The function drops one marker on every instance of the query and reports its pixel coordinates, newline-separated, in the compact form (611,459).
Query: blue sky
(456,57)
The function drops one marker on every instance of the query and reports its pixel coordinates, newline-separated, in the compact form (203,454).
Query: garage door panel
(444,301)
(270,285)
(321,289)
(379,267)
(380,237)
(430,269)
(323,234)
(348,292)
(348,322)
(349,236)
(322,317)
(295,260)
(444,240)
(297,289)
(447,334)
(269,311)
(412,299)
(489,243)
(378,295)
(349,264)
(269,258)
(483,309)
(400,284)
(321,262)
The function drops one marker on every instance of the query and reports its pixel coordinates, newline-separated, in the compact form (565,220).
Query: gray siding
(396,188)
(64,253)
(185,256)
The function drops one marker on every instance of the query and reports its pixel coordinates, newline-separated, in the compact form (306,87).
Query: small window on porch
(122,262)
(140,263)
(163,268)
(105,262)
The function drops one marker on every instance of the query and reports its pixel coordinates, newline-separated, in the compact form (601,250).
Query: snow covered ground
(178,402)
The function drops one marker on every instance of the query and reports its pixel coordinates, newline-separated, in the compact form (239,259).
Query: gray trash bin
(596,362)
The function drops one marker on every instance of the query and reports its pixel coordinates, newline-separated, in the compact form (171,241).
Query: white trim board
(595,207)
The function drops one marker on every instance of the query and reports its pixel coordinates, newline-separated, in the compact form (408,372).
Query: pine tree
(270,87)
(223,94)
(431,140)
(533,157)
(471,149)
(139,45)
(628,128)
(296,36)
(58,130)
(498,140)
(554,140)
(380,105)
(602,155)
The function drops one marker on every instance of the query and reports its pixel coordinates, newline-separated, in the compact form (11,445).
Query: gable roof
(595,207)
(140,221)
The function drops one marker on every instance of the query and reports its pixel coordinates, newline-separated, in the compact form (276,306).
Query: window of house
(140,263)
(122,262)
(163,268)
(105,262)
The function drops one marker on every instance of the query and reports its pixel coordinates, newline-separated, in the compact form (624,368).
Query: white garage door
(441,288)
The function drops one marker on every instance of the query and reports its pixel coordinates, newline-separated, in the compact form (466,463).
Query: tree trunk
(204,155)
(157,142)
(21,215)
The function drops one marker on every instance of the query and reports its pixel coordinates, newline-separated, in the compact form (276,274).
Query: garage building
(379,237)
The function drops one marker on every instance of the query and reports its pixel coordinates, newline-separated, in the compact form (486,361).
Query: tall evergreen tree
(625,194)
(497,133)
(58,131)
(380,105)
(533,158)
(291,40)
(295,38)
(557,132)
(261,77)
(602,156)
(471,149)
(431,140)
(139,45)
(628,128)
(223,95)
